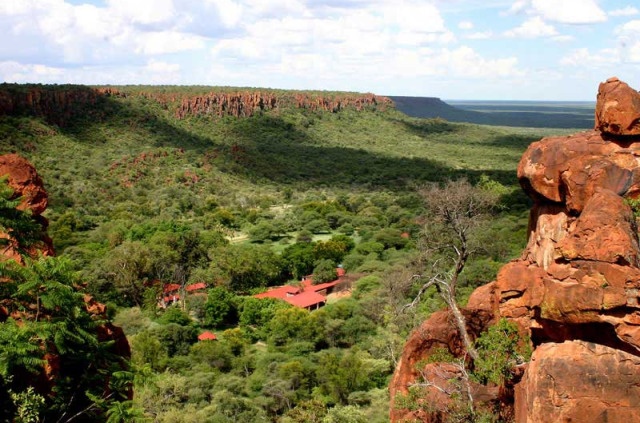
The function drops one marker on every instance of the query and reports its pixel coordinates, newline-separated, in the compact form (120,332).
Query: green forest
(139,198)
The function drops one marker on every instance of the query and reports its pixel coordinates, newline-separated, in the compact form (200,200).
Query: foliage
(500,349)
(220,307)
(54,322)
(324,271)
(138,198)
(15,222)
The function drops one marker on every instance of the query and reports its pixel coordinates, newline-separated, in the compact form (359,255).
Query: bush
(174,314)
(325,271)
(220,307)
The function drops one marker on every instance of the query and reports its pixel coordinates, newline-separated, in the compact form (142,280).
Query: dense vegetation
(138,196)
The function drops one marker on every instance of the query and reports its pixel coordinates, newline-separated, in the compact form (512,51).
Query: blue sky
(453,49)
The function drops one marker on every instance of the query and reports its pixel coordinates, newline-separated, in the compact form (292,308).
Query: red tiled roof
(340,271)
(280,292)
(309,286)
(196,286)
(170,287)
(207,336)
(305,299)
(405,235)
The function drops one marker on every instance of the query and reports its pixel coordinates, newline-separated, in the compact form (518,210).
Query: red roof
(305,299)
(196,286)
(280,292)
(340,271)
(309,286)
(207,336)
(170,287)
(405,235)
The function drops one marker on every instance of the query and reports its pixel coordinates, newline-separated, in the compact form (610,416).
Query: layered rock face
(575,290)
(62,104)
(26,184)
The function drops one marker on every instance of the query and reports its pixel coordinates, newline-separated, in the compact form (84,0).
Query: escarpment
(61,104)
(575,291)
(22,178)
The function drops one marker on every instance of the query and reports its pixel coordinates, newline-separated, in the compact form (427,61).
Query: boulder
(575,291)
(578,381)
(618,108)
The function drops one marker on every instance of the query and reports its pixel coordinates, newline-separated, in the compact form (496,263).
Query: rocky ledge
(575,290)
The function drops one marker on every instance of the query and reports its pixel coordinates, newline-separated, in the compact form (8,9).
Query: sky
(556,50)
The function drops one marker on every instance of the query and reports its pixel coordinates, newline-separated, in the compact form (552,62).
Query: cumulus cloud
(532,28)
(339,43)
(625,11)
(564,11)
(627,50)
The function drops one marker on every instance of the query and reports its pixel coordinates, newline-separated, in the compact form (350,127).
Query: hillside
(243,190)
(515,114)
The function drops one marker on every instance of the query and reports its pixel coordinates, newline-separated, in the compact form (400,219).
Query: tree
(299,259)
(325,271)
(244,267)
(174,315)
(219,307)
(129,265)
(456,211)
(51,321)
(330,250)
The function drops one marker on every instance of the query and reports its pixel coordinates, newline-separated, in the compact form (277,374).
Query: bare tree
(455,212)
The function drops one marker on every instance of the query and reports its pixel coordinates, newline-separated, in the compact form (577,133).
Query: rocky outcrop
(239,104)
(618,108)
(27,184)
(58,105)
(566,382)
(61,104)
(576,289)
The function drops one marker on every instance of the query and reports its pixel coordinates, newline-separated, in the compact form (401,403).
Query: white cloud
(154,72)
(154,43)
(466,25)
(625,11)
(570,11)
(584,57)
(143,11)
(484,35)
(629,28)
(532,28)
(517,7)
(560,11)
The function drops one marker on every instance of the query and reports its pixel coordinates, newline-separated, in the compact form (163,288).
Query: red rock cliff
(24,180)
(575,290)
(60,105)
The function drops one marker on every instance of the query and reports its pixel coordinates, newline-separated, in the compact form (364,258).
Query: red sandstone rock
(26,183)
(618,108)
(578,279)
(24,180)
(579,382)
(437,332)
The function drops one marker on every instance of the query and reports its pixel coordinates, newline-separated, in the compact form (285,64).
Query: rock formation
(576,289)
(26,184)
(24,180)
(61,104)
